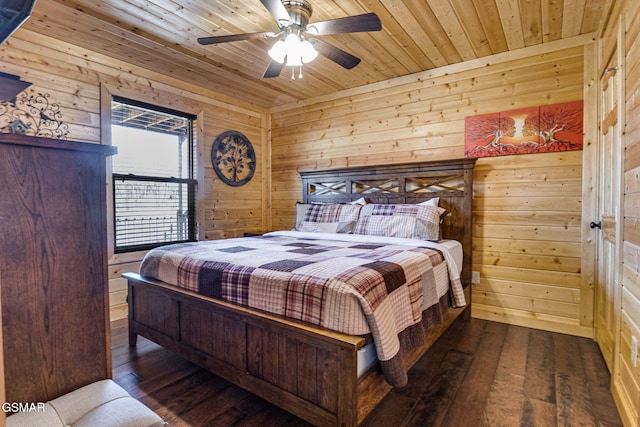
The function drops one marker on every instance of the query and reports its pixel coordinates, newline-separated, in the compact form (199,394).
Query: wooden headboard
(451,180)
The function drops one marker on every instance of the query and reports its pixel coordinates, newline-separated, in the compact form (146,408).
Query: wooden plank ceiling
(416,35)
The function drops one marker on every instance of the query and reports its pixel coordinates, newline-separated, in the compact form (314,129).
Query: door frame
(597,56)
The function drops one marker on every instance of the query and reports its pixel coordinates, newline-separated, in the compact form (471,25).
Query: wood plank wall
(75,78)
(526,241)
(527,209)
(626,376)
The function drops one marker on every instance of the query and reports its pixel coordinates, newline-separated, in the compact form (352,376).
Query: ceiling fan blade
(234,38)
(273,69)
(277,9)
(335,54)
(348,24)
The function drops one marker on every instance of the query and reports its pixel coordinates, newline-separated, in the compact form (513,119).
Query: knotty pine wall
(626,377)
(80,80)
(527,209)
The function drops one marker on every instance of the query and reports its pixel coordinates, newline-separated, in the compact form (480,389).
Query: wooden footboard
(307,371)
(304,370)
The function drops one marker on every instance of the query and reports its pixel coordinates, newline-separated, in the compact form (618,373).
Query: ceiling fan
(296,45)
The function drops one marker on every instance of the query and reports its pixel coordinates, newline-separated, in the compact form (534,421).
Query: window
(154,189)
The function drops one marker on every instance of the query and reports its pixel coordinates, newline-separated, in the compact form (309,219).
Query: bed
(289,351)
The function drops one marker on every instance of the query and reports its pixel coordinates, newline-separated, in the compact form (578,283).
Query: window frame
(191,181)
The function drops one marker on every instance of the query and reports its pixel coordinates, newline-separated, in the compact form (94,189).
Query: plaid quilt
(355,287)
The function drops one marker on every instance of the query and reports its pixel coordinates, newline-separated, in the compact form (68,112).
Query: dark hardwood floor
(478,373)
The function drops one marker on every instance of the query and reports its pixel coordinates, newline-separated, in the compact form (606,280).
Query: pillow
(407,221)
(431,202)
(360,201)
(435,201)
(327,218)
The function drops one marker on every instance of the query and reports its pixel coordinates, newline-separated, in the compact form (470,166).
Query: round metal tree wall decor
(233,158)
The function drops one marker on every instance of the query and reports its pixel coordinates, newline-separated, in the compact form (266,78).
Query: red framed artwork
(544,129)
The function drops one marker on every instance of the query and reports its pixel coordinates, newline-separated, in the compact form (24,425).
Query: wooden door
(609,196)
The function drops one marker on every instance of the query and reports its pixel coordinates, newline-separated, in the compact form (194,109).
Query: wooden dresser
(53,266)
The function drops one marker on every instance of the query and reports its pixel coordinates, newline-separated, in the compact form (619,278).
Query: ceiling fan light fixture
(292,43)
(307,51)
(294,49)
(294,61)
(278,51)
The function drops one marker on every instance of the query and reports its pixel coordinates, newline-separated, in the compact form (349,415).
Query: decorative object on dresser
(53,244)
(233,158)
(307,370)
(33,115)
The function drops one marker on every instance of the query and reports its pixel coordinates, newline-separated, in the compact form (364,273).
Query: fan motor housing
(299,11)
